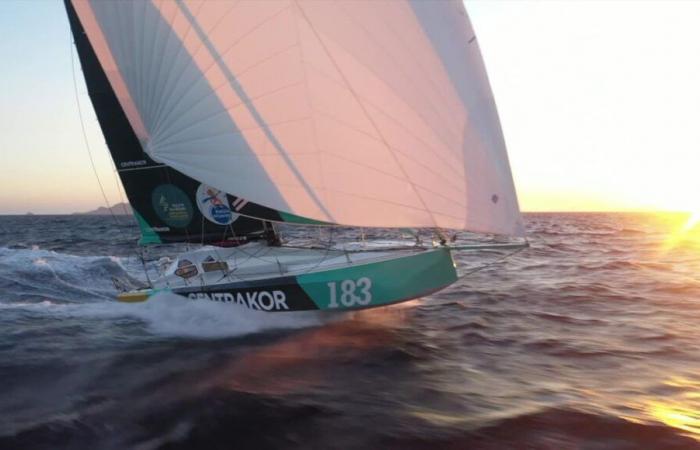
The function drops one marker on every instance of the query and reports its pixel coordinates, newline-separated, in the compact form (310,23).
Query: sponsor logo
(211,265)
(185,269)
(129,164)
(213,205)
(261,300)
(172,205)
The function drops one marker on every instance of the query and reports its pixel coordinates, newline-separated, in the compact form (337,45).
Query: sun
(692,221)
(686,229)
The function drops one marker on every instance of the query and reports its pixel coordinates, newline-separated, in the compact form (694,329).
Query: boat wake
(52,284)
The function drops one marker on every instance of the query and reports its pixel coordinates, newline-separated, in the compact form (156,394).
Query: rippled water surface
(588,339)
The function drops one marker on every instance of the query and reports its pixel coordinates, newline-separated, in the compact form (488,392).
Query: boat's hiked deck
(255,261)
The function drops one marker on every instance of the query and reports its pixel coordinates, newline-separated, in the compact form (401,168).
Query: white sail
(366,113)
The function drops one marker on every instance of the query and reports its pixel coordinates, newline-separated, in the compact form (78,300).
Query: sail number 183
(351,292)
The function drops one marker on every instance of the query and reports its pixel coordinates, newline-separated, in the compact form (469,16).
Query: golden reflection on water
(304,359)
(681,412)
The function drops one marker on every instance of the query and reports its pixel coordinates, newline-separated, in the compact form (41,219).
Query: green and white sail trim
(372,114)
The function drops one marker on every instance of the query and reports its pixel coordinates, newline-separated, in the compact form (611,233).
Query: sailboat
(226,119)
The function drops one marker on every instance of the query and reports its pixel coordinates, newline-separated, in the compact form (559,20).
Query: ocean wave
(547,349)
(35,274)
(170,315)
(553,428)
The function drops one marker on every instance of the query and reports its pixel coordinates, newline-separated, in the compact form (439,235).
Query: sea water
(588,339)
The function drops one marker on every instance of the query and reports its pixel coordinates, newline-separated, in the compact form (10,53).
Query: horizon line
(623,211)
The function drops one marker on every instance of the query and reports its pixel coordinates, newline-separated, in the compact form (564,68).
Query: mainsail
(169,206)
(362,113)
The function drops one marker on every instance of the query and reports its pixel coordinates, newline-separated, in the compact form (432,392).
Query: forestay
(352,112)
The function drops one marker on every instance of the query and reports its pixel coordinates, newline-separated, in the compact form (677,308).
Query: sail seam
(215,90)
(385,114)
(166,84)
(238,131)
(335,155)
(157,89)
(362,106)
(217,57)
(309,102)
(255,114)
(450,117)
(246,102)
(448,164)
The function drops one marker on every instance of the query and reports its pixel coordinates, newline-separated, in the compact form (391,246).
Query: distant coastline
(120,209)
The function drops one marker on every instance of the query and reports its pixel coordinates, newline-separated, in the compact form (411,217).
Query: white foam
(167,314)
(67,271)
(173,315)
(164,314)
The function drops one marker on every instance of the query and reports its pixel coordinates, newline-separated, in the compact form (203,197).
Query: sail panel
(168,205)
(350,112)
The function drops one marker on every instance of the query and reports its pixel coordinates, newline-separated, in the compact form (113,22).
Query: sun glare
(677,416)
(680,412)
(692,221)
(685,229)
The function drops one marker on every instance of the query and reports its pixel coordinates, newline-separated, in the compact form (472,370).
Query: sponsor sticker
(172,205)
(185,269)
(212,265)
(213,205)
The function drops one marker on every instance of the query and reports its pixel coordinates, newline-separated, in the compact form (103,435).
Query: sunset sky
(599,102)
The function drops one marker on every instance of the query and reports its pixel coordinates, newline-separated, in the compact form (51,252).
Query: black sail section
(169,206)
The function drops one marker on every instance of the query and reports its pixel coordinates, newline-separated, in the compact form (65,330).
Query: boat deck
(256,261)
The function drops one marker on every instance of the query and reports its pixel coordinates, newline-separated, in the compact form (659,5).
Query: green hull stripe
(391,281)
(148,236)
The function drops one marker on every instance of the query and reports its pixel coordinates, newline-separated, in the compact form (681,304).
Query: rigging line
(496,261)
(119,187)
(228,272)
(216,250)
(364,109)
(329,249)
(250,255)
(92,161)
(85,138)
